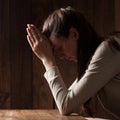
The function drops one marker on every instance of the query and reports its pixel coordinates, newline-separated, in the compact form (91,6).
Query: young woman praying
(67,32)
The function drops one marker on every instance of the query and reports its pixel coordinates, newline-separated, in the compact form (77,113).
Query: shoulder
(105,49)
(102,51)
(105,56)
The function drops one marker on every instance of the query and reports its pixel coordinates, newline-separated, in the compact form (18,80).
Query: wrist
(48,63)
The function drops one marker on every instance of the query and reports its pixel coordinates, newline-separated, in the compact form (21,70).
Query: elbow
(67,109)
(64,110)
(64,113)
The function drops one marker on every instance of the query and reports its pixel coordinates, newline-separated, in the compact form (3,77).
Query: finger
(35,33)
(28,25)
(30,41)
(40,35)
(35,28)
(30,34)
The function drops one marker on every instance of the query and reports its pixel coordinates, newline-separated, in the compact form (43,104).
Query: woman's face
(66,48)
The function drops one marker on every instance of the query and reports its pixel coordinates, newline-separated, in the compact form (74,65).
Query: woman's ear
(73,33)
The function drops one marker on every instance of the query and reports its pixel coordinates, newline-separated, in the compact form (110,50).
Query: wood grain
(38,115)
(117,17)
(5,72)
(20,55)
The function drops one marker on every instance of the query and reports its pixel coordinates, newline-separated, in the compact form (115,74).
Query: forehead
(57,41)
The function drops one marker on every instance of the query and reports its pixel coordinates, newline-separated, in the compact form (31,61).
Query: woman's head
(70,33)
(60,22)
(60,28)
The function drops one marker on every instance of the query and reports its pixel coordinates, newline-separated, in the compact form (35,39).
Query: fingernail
(28,25)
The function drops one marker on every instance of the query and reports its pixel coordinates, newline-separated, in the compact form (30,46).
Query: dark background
(22,84)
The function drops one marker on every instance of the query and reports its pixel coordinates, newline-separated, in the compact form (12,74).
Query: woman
(68,33)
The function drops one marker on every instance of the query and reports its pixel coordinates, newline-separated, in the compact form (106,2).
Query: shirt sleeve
(103,66)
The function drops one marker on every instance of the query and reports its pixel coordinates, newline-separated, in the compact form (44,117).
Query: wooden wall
(15,55)
(117,17)
(22,84)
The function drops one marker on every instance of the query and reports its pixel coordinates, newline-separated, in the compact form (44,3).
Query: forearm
(57,87)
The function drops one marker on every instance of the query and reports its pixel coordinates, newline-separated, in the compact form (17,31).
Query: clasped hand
(39,43)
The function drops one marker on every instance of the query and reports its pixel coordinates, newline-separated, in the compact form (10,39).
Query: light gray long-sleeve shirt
(102,78)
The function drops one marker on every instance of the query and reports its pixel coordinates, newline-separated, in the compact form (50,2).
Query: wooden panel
(104,16)
(117,17)
(21,57)
(4,55)
(40,10)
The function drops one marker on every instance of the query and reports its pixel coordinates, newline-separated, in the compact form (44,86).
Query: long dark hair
(59,24)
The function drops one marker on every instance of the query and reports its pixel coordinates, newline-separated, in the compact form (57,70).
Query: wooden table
(38,115)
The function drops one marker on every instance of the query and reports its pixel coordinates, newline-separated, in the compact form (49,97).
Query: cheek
(61,52)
